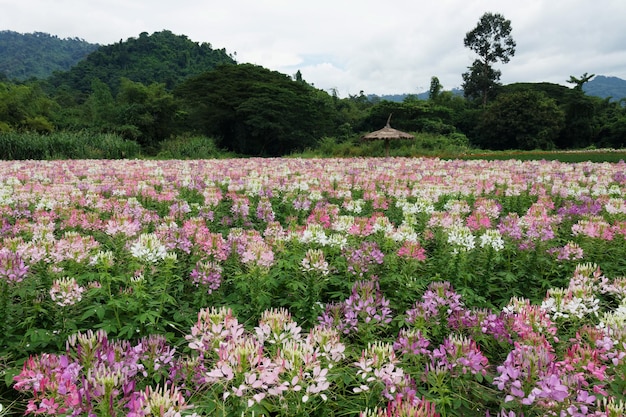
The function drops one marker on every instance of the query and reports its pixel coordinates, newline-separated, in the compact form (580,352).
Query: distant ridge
(402,97)
(604,87)
(599,86)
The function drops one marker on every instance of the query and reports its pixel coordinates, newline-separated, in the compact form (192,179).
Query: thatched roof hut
(387,133)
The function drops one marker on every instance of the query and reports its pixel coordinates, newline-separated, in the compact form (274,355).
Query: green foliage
(65,145)
(612,130)
(255,111)
(412,115)
(162,57)
(151,109)
(143,113)
(521,120)
(435,89)
(559,93)
(590,155)
(425,144)
(38,54)
(580,82)
(195,147)
(580,113)
(588,120)
(25,107)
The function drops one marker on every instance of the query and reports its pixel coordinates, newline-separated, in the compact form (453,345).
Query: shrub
(65,145)
(194,147)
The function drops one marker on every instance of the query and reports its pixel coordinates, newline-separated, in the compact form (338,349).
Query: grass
(583,155)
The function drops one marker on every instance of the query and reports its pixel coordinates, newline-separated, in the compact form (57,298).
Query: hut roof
(387,132)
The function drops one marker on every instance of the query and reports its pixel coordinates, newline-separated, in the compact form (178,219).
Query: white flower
(314,261)
(314,233)
(148,248)
(615,206)
(461,238)
(354,206)
(104,259)
(337,240)
(422,205)
(565,303)
(343,223)
(66,292)
(493,238)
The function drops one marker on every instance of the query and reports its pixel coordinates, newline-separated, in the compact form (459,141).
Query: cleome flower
(66,291)
(148,248)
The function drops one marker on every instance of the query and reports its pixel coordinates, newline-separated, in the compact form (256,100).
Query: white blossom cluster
(148,248)
(315,233)
(492,238)
(461,239)
(566,303)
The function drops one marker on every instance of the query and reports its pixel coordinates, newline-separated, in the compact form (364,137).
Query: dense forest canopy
(253,110)
(38,55)
(163,86)
(162,57)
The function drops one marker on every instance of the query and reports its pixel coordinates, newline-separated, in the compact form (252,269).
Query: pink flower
(66,291)
(412,250)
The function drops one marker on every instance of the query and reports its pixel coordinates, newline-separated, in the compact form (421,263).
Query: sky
(353,46)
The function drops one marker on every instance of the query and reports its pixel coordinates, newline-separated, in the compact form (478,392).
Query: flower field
(313,287)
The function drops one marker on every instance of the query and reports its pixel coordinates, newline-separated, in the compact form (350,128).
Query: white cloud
(352,45)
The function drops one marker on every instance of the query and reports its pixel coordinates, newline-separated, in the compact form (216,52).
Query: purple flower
(460,355)
(264,210)
(365,306)
(439,300)
(550,387)
(411,342)
(360,259)
(12,266)
(207,274)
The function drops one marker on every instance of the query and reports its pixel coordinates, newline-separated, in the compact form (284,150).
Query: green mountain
(38,55)
(604,87)
(162,57)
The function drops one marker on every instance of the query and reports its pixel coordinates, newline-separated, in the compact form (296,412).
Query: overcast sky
(374,46)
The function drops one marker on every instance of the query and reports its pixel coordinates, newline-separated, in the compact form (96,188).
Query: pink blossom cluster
(276,362)
(66,291)
(98,376)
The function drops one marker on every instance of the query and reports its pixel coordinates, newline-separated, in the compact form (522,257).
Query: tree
(411,115)
(521,120)
(254,111)
(579,82)
(25,107)
(579,130)
(38,55)
(613,131)
(100,106)
(491,39)
(435,89)
(146,112)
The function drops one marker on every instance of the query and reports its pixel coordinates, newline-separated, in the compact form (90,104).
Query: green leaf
(100,311)
(148,316)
